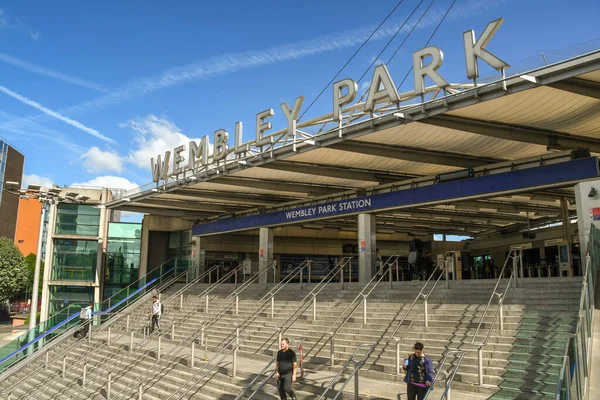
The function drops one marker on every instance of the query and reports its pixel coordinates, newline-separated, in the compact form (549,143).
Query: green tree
(13,270)
(30,261)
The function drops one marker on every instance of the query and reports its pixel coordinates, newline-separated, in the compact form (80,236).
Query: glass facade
(74,259)
(179,245)
(3,156)
(77,219)
(122,256)
(64,296)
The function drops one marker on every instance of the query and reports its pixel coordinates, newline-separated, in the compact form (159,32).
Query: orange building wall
(28,226)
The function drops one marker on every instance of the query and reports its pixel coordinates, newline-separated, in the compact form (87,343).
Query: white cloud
(153,136)
(35,35)
(97,161)
(38,69)
(5,20)
(33,179)
(67,120)
(108,181)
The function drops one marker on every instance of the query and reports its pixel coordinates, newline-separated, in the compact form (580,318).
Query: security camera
(592,192)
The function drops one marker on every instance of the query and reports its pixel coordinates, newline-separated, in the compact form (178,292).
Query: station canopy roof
(530,117)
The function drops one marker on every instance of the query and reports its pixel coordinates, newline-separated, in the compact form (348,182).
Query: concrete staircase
(520,362)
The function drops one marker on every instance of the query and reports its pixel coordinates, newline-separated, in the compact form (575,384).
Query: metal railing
(190,340)
(178,295)
(114,318)
(424,306)
(516,256)
(353,306)
(353,374)
(262,372)
(446,395)
(574,379)
(48,335)
(236,342)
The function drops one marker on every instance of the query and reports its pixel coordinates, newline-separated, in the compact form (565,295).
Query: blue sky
(89,91)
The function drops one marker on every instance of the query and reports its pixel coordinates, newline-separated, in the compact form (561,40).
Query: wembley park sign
(426,63)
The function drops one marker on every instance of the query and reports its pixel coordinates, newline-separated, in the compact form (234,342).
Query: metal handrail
(582,341)
(354,374)
(501,296)
(328,332)
(187,341)
(516,254)
(234,344)
(140,302)
(450,379)
(360,363)
(249,386)
(179,293)
(66,334)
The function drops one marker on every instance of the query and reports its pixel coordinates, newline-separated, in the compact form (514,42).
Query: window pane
(74,259)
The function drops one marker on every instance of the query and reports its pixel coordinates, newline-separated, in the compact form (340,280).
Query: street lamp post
(46,196)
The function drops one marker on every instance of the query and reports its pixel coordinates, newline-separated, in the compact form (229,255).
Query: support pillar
(564,209)
(265,252)
(198,256)
(586,200)
(367,246)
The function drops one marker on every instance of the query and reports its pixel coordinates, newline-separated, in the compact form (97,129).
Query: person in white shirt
(156,313)
(85,317)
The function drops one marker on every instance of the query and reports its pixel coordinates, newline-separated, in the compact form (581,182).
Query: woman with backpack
(419,373)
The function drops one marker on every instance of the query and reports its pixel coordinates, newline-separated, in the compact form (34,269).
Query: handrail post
(332,350)
(158,350)
(235,277)
(181,301)
(131,341)
(274,272)
(237,305)
(235,350)
(173,330)
(206,305)
(501,313)
(480,364)
(46,365)
(426,312)
(390,276)
(397,357)
(89,330)
(193,356)
(108,337)
(397,271)
(218,269)
(84,374)
(108,385)
(309,270)
(202,335)
(447,283)
(357,368)
(301,273)
(272,306)
(314,307)
(64,366)
(140,391)
(127,323)
(342,277)
(364,309)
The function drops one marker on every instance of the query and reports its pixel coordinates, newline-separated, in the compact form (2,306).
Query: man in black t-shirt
(285,370)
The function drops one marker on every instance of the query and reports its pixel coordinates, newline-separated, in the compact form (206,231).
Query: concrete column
(265,252)
(564,208)
(100,264)
(587,201)
(198,255)
(367,247)
(45,307)
(144,246)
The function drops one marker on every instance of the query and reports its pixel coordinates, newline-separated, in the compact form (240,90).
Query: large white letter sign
(388,93)
(340,100)
(178,159)
(221,147)
(430,70)
(475,50)
(160,169)
(262,126)
(292,115)
(198,152)
(239,147)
